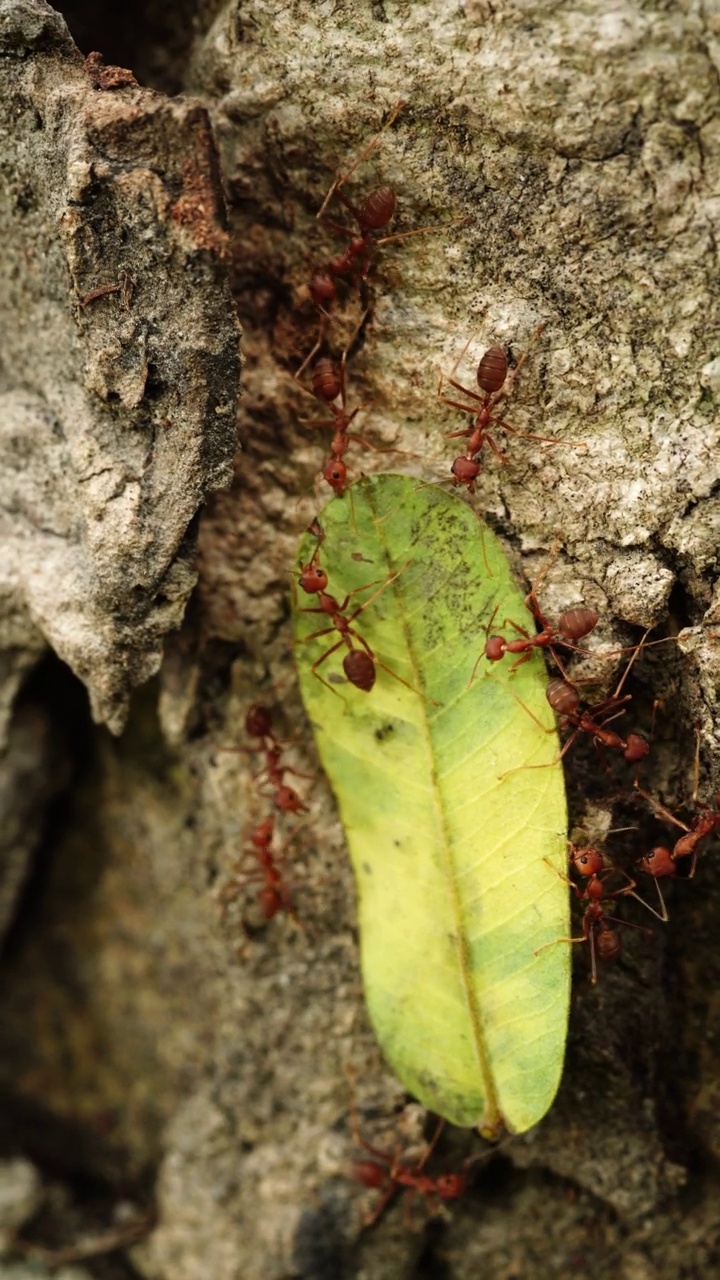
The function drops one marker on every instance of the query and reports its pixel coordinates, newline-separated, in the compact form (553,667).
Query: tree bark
(569,158)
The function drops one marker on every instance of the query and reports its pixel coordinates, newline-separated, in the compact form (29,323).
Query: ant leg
(374,1216)
(532,601)
(315,665)
(512,375)
(660,809)
(316,634)
(629,665)
(376,449)
(662,914)
(343,178)
(555,942)
(430,1146)
(338,226)
(385,583)
(696,771)
(449,377)
(322,330)
(466,392)
(421,231)
(530,435)
(549,763)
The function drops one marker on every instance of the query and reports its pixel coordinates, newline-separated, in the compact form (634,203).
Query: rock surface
(149,1036)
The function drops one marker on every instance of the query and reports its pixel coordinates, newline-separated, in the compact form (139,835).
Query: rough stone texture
(120,360)
(34,768)
(148,1031)
(19,1197)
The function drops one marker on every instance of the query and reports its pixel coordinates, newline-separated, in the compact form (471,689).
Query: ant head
(262,834)
(258,721)
(360,669)
(636,747)
(495,648)
(658,862)
(313,578)
(451,1185)
(288,801)
(336,475)
(322,289)
(465,470)
(587,862)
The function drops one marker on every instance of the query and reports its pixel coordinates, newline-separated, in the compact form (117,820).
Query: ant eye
(584,860)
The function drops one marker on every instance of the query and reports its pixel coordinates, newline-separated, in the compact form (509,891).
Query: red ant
(374,215)
(603,939)
(258,724)
(495,383)
(571,626)
(360,664)
(328,383)
(565,702)
(662,861)
(388,1170)
(274,896)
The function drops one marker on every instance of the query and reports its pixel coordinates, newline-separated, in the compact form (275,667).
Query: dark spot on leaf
(382,734)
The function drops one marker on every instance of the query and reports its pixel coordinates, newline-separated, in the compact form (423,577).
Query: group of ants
(263,868)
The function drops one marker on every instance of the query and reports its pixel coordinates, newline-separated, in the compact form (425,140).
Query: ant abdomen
(378,209)
(563,697)
(326,380)
(574,624)
(360,669)
(607,943)
(322,289)
(492,370)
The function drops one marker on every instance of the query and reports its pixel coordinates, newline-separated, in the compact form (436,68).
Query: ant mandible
(359,664)
(495,383)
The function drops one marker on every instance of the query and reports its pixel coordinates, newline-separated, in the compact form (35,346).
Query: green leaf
(456,847)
